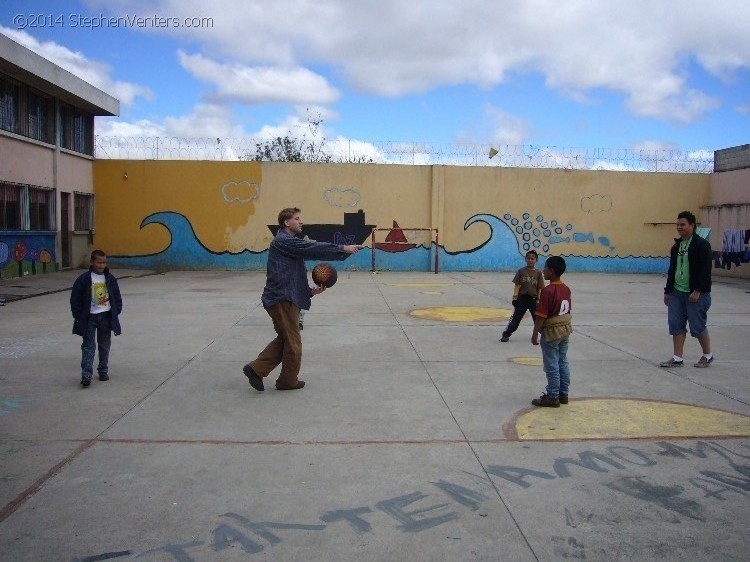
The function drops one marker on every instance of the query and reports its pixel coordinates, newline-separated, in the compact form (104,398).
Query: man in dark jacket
(96,303)
(688,291)
(285,294)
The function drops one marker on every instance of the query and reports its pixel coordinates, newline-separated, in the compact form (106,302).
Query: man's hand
(317,290)
(352,249)
(535,338)
(694,296)
(666,299)
(514,302)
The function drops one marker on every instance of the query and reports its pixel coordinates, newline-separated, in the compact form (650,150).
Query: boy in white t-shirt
(96,303)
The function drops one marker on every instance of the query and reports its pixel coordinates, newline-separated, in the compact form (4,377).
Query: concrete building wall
(728,209)
(216,215)
(26,162)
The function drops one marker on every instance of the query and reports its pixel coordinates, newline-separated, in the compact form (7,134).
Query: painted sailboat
(395,241)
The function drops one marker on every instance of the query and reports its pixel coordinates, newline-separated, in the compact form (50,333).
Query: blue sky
(598,74)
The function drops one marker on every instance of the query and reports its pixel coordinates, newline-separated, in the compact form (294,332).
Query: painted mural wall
(25,253)
(222,215)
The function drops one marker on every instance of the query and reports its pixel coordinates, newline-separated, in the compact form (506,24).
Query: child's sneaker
(671,363)
(545,400)
(703,362)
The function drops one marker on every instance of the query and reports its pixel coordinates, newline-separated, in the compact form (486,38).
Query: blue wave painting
(501,252)
(185,251)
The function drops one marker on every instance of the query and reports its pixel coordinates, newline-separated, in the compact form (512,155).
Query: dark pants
(524,303)
(285,349)
(98,333)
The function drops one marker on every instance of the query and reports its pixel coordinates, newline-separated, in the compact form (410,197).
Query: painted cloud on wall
(341,197)
(241,191)
(596,204)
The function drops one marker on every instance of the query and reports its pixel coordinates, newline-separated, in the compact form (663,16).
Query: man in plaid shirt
(285,294)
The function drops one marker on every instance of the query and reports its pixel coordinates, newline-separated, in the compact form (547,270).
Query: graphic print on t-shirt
(99,295)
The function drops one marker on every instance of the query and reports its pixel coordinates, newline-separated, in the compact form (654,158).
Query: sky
(641,74)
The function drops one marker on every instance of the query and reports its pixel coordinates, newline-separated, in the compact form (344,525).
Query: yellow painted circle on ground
(419,285)
(629,419)
(532,361)
(462,313)
(431,292)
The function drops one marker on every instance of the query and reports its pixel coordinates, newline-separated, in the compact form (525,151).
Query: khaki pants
(285,349)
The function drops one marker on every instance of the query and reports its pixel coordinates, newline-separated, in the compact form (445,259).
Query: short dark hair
(687,215)
(533,253)
(556,264)
(287,214)
(98,254)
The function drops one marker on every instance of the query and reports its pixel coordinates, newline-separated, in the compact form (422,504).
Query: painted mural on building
(214,215)
(24,254)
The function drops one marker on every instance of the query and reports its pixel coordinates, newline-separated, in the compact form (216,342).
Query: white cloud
(653,146)
(205,121)
(260,84)
(95,73)
(506,128)
(640,49)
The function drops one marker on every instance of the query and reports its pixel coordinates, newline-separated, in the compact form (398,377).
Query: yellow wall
(600,214)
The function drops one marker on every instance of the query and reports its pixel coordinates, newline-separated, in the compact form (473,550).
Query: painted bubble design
(543,234)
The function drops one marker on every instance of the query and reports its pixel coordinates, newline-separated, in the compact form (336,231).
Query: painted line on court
(462,313)
(624,418)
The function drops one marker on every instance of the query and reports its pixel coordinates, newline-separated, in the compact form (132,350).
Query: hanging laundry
(732,247)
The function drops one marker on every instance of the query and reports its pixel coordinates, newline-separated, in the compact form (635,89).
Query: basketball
(324,274)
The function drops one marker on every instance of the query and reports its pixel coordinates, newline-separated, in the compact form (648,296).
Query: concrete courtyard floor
(414,438)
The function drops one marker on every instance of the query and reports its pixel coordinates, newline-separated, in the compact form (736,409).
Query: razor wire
(410,153)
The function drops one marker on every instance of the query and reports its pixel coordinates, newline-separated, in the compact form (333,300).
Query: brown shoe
(546,401)
(253,378)
(300,384)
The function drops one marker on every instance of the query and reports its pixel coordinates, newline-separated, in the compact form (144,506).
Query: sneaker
(255,381)
(563,399)
(504,338)
(300,384)
(671,363)
(703,362)
(104,377)
(547,401)
(85,382)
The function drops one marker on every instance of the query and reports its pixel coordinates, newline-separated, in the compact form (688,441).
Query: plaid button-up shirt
(286,276)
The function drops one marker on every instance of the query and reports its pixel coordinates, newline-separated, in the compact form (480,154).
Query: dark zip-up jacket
(80,302)
(699,262)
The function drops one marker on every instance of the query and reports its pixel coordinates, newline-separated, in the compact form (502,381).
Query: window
(76,130)
(26,112)
(41,208)
(10,206)
(40,117)
(26,207)
(10,104)
(84,211)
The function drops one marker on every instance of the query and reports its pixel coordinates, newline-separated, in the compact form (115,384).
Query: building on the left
(46,162)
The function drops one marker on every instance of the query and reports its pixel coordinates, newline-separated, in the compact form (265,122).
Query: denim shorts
(680,312)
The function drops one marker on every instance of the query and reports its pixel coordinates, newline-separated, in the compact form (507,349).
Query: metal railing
(411,153)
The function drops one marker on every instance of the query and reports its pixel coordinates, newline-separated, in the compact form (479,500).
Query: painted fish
(583,237)
(558,239)
(604,241)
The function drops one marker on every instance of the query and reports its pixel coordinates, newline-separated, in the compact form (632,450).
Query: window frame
(83,215)
(76,129)
(35,210)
